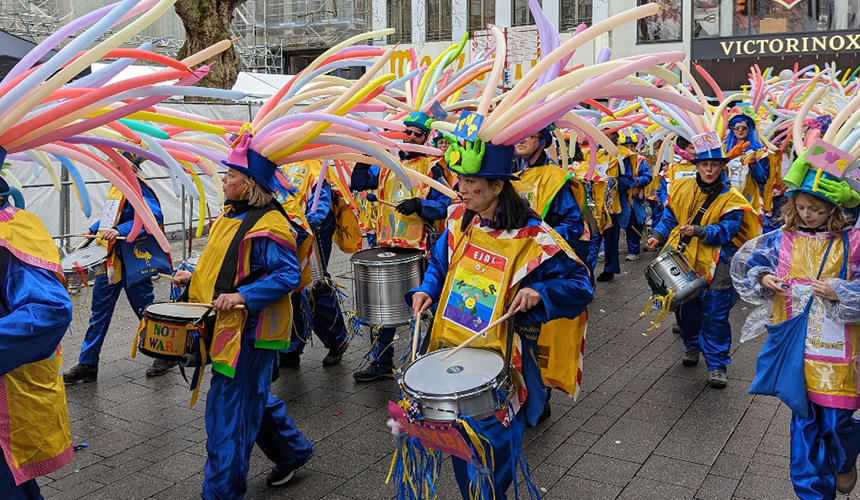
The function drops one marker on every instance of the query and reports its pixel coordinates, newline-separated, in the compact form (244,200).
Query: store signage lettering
(775,46)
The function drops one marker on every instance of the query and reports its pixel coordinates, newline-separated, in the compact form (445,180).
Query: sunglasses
(741,128)
(413,133)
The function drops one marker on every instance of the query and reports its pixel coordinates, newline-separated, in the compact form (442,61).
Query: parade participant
(537,275)
(808,270)
(35,312)
(681,167)
(607,189)
(650,191)
(635,177)
(131,266)
(549,189)
(326,316)
(249,261)
(748,172)
(709,220)
(406,226)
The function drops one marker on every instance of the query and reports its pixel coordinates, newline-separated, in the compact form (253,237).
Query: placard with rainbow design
(476,287)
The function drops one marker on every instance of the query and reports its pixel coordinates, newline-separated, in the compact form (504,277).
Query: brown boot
(845,482)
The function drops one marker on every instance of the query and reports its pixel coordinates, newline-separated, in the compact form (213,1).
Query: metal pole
(64,211)
(182,232)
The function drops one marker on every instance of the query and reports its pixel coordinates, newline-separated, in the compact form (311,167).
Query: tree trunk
(207,22)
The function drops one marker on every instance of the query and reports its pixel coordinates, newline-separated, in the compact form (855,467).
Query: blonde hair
(257,195)
(834,223)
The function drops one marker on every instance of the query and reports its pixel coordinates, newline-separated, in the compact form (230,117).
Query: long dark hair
(514,211)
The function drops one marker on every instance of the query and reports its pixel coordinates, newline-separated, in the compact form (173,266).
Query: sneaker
(160,367)
(289,359)
(717,379)
(631,257)
(845,482)
(545,414)
(691,357)
(280,476)
(81,373)
(335,355)
(374,372)
(601,255)
(605,276)
(676,329)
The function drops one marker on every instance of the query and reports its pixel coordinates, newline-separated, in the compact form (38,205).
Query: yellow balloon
(179,122)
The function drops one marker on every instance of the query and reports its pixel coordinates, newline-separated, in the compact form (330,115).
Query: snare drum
(671,271)
(81,267)
(471,382)
(167,329)
(380,279)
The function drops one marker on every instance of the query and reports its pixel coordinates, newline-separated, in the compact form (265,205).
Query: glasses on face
(740,128)
(413,133)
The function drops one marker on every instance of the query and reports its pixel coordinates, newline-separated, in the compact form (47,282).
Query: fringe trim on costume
(415,469)
(663,305)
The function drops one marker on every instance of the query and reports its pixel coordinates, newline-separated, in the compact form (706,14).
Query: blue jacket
(433,207)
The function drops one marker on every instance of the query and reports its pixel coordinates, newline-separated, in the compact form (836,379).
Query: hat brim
(503,177)
(722,159)
(810,192)
(264,183)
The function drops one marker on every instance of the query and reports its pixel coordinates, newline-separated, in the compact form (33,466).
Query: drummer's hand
(420,302)
(652,243)
(110,234)
(525,299)
(824,290)
(182,276)
(773,283)
(686,230)
(227,301)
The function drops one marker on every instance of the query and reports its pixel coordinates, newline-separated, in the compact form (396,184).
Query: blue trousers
(704,323)
(234,412)
(823,444)
(609,239)
(326,317)
(656,212)
(634,234)
(28,490)
(504,441)
(105,295)
(383,348)
(280,440)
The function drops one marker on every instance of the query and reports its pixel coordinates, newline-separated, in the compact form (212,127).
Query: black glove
(410,206)
(361,166)
(371,197)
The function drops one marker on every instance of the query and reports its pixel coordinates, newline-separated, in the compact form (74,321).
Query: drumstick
(392,205)
(415,331)
(237,306)
(169,277)
(479,334)
(95,236)
(80,245)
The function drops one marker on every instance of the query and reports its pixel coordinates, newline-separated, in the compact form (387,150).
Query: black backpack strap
(697,219)
(227,274)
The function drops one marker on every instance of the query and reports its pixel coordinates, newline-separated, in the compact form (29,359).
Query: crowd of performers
(510,201)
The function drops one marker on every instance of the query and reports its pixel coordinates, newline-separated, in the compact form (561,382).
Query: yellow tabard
(679,170)
(485,268)
(392,228)
(685,198)
(114,203)
(39,437)
(297,216)
(651,189)
(540,184)
(274,321)
(773,183)
(604,189)
(301,175)
(831,346)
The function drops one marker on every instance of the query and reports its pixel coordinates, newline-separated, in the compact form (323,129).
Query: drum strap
(227,274)
(697,219)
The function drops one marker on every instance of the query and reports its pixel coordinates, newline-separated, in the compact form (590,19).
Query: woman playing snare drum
(496,256)
(250,260)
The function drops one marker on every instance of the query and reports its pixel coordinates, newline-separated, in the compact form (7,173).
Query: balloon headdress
(251,163)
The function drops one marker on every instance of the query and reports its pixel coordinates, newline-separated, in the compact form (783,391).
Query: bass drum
(380,279)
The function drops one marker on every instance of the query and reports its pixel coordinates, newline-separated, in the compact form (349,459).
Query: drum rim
(173,319)
(406,255)
(97,263)
(495,382)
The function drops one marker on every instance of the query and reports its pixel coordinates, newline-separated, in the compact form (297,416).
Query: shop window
(438,20)
(573,13)
(664,26)
(759,17)
(400,18)
(482,13)
(522,14)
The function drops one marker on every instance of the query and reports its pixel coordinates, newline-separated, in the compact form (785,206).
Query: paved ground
(644,426)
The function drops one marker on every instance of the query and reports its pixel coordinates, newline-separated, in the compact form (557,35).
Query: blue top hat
(251,163)
(419,120)
(809,183)
(496,163)
(711,154)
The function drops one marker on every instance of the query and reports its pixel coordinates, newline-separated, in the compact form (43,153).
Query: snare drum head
(176,310)
(467,369)
(384,255)
(85,257)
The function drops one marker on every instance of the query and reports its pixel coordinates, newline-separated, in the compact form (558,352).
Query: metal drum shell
(479,402)
(380,284)
(671,271)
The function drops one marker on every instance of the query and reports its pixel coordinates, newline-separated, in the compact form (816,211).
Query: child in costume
(35,311)
(131,266)
(258,272)
(707,220)
(809,267)
(631,186)
(540,277)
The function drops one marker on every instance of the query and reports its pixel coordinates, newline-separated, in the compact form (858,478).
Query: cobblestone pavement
(644,426)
